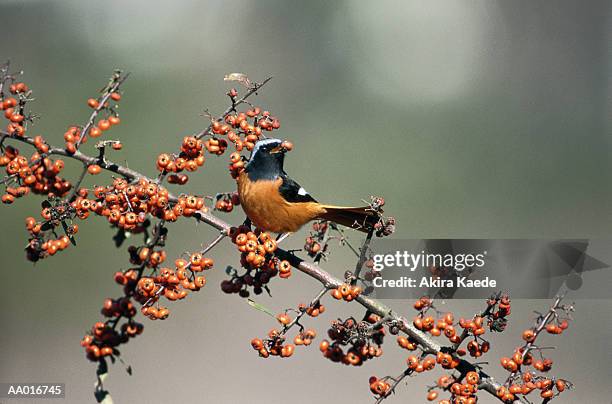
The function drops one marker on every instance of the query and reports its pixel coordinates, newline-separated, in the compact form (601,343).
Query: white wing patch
(302,191)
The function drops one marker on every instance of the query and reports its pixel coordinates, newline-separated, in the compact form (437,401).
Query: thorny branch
(313,270)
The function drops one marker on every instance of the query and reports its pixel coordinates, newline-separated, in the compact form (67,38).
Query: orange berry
(163,160)
(104,124)
(287,350)
(560,384)
(472,378)
(529,335)
(200,281)
(257,344)
(8,199)
(94,169)
(95,132)
(547,394)
(284,319)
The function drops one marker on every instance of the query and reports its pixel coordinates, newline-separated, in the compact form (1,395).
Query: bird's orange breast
(268,210)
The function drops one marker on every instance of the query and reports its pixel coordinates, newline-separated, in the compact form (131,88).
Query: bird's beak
(278,149)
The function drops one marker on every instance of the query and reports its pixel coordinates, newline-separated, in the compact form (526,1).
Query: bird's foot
(282,236)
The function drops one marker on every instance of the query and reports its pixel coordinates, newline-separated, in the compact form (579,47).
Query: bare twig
(363,255)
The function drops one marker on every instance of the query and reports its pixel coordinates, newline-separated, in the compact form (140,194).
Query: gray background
(473,119)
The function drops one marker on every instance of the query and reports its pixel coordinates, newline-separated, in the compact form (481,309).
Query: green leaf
(260,307)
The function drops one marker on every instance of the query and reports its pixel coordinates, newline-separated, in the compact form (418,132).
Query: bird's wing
(291,191)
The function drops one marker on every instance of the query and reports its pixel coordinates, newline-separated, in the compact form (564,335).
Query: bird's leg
(282,236)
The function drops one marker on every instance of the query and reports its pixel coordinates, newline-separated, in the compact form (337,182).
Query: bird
(276,203)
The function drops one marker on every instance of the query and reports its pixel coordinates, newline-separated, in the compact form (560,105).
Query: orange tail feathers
(358,218)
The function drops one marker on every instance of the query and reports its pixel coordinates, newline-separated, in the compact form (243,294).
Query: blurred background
(472,119)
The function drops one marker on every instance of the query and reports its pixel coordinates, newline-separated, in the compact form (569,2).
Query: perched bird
(274,202)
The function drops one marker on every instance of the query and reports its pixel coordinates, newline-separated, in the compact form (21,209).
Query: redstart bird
(276,203)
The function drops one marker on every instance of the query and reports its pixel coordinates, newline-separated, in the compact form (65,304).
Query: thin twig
(232,107)
(99,108)
(363,255)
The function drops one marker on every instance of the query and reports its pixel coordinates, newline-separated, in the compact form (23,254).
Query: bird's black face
(266,160)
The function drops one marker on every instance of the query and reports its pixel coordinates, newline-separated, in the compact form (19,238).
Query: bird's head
(266,160)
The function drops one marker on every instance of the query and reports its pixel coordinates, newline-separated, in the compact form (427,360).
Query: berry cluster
(190,159)
(237,164)
(419,365)
(226,202)
(43,241)
(104,337)
(258,259)
(530,382)
(127,205)
(364,338)
(312,310)
(407,343)
(444,382)
(38,249)
(103,117)
(385,227)
(173,284)
(463,393)
(498,308)
(14,108)
(524,382)
(346,292)
(379,387)
(37,174)
(305,337)
(243,129)
(313,246)
(273,345)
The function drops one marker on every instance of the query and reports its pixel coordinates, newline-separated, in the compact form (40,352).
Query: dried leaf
(119,238)
(101,395)
(240,78)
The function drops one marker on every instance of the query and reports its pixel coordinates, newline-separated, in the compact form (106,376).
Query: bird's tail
(359,218)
